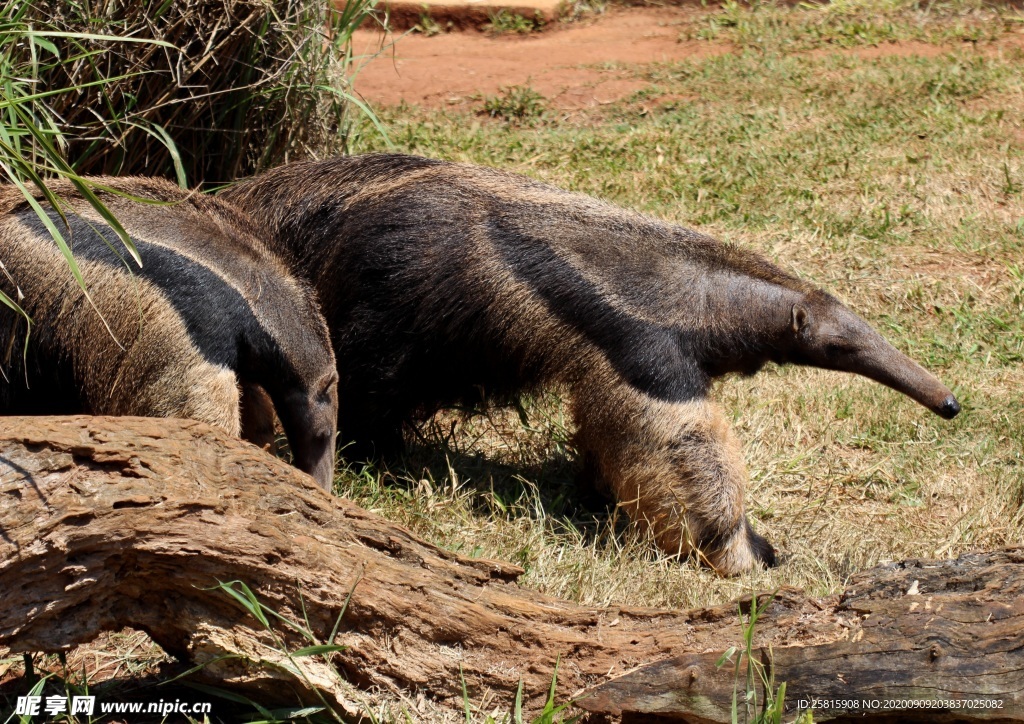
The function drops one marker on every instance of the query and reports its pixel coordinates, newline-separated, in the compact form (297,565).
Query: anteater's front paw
(761,548)
(742,552)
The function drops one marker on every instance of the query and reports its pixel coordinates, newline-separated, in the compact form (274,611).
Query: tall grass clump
(197,90)
(239,85)
(32,143)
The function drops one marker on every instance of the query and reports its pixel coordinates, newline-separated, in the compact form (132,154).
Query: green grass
(893,182)
(760,702)
(89,90)
(239,85)
(32,137)
(773,27)
(515,104)
(506,22)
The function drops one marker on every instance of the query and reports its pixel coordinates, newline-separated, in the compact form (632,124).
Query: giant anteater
(441,280)
(210,309)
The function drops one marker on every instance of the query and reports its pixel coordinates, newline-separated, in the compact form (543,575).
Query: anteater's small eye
(833,350)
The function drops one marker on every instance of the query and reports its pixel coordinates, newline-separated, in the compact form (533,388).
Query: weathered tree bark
(114,522)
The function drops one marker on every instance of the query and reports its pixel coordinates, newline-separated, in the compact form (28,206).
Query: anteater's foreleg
(258,417)
(676,468)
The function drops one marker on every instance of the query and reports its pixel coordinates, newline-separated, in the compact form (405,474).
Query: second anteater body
(211,310)
(450,284)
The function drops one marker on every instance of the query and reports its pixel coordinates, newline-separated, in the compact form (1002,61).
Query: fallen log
(925,641)
(108,523)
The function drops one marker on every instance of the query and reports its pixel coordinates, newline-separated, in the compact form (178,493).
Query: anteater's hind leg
(677,470)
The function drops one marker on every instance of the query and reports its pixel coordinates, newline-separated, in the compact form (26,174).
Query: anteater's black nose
(949,408)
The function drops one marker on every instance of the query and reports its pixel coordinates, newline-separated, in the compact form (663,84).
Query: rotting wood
(114,522)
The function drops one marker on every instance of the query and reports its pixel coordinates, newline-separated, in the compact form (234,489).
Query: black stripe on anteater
(220,321)
(655,359)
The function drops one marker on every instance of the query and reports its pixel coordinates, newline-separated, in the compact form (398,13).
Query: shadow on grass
(502,474)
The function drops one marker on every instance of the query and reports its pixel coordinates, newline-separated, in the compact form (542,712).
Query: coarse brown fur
(210,310)
(447,283)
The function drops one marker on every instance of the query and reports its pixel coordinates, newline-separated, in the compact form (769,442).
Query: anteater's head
(309,416)
(295,365)
(824,333)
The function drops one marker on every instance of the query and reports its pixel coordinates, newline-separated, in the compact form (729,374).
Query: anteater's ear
(800,318)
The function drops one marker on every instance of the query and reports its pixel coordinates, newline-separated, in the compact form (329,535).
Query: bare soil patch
(574,66)
(454,68)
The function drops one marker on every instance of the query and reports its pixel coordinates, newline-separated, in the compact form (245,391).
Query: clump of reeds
(238,85)
(203,91)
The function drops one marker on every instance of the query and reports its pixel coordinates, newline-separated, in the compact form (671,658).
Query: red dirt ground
(451,68)
(563,63)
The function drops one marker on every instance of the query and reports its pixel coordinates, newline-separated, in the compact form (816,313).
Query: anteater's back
(137,344)
(442,281)
(210,307)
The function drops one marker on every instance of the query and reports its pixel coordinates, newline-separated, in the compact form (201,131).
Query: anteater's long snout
(905,375)
(880,361)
